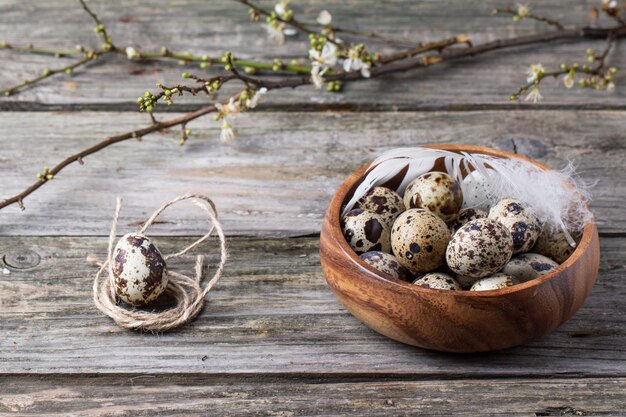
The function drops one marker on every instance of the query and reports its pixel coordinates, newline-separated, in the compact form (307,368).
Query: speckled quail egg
(384,202)
(365,231)
(386,263)
(553,244)
(437,280)
(494,282)
(466,282)
(476,192)
(466,215)
(479,248)
(419,240)
(139,271)
(520,220)
(437,192)
(529,266)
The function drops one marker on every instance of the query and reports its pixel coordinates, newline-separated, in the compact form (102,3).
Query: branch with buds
(330,62)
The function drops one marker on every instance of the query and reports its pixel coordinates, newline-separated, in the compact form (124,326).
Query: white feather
(558,198)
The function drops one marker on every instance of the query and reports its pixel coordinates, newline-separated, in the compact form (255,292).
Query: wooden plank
(154,395)
(271,314)
(201,28)
(279,175)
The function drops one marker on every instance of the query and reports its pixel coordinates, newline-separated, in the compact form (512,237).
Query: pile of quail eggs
(436,237)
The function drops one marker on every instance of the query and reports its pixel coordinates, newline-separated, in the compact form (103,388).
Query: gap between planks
(327,377)
(19,106)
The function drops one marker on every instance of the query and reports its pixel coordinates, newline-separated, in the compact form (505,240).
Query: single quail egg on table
(479,248)
(419,240)
(437,280)
(436,191)
(520,220)
(466,215)
(553,244)
(529,266)
(494,282)
(366,231)
(139,270)
(384,202)
(476,192)
(386,263)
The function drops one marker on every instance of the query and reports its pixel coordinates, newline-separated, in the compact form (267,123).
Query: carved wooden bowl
(454,321)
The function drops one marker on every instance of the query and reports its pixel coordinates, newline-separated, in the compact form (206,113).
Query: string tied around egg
(188,292)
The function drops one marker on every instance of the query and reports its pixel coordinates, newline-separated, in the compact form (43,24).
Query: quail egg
(419,239)
(476,192)
(437,280)
(437,192)
(386,263)
(384,202)
(479,248)
(494,282)
(466,215)
(521,221)
(529,266)
(465,282)
(365,231)
(553,244)
(139,270)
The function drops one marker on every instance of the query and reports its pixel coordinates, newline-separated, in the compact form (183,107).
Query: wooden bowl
(454,321)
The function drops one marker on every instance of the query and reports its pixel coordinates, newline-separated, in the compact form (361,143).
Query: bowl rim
(335,207)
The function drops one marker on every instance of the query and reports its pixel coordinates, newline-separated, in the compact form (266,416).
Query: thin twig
(548,21)
(291,22)
(433,46)
(42,51)
(50,72)
(100,27)
(605,53)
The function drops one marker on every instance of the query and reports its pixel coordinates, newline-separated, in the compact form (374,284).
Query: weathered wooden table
(272,339)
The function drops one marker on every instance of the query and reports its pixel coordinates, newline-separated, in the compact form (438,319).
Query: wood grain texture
(271,313)
(454,321)
(197,395)
(273,340)
(213,28)
(279,176)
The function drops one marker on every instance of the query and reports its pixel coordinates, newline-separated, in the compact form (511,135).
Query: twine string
(188,293)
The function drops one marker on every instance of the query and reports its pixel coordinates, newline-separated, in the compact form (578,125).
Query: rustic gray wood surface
(272,339)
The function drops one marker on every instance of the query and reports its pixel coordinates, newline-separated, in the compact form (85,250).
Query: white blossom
(131,53)
(568,81)
(281,7)
(275,34)
(254,100)
(289,31)
(534,96)
(523,10)
(229,109)
(534,72)
(355,63)
(324,18)
(322,62)
(610,87)
(227,134)
(609,4)
(316,75)
(327,58)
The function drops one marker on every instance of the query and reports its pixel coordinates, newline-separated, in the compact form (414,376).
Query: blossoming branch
(336,56)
